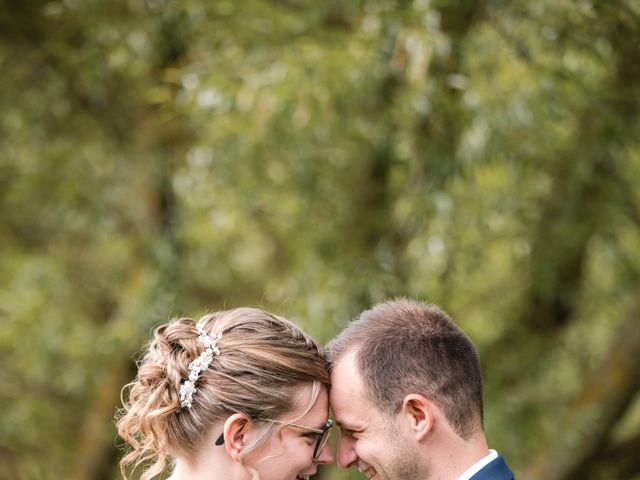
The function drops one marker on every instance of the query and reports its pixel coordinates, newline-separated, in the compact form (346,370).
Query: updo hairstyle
(262,357)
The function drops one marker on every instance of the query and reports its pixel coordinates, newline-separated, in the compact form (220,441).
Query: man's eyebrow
(342,425)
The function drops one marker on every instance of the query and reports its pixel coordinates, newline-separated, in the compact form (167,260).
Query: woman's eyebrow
(321,427)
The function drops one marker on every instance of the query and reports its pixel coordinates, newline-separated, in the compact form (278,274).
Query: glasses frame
(322,440)
(320,443)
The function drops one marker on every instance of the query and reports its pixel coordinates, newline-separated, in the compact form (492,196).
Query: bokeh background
(170,157)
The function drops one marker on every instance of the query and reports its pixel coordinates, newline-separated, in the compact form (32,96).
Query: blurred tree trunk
(150,288)
(153,281)
(602,401)
(370,223)
(620,459)
(586,185)
(92,450)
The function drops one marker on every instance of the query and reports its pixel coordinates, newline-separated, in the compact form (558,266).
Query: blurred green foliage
(160,158)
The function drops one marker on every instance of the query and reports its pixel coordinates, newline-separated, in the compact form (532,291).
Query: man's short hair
(404,346)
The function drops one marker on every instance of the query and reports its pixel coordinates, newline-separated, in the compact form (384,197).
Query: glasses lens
(323,438)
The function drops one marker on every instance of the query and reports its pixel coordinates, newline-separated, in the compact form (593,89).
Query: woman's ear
(236,430)
(419,412)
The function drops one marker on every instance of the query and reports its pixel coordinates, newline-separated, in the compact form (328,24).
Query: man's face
(369,439)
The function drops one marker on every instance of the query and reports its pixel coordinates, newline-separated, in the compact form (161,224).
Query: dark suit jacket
(495,470)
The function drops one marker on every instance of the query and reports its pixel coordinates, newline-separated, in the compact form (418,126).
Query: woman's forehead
(311,411)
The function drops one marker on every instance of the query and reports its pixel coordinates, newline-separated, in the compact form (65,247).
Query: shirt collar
(479,465)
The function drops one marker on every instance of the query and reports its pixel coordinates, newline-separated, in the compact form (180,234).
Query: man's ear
(420,413)
(236,433)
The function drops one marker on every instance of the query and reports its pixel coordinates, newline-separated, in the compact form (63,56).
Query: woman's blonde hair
(261,357)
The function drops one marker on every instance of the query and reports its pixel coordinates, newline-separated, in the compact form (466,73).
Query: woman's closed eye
(311,436)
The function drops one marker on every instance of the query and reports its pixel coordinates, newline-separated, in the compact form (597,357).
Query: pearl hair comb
(188,387)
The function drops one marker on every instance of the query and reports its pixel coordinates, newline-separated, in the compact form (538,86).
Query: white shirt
(479,465)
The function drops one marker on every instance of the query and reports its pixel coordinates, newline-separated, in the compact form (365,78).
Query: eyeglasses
(323,434)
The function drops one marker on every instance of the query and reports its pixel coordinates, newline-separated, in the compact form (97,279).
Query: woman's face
(288,453)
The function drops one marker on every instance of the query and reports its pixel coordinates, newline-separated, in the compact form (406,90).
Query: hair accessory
(188,387)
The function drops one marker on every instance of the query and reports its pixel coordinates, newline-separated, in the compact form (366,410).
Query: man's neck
(453,457)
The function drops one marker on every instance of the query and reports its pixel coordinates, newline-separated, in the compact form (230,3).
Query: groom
(406,392)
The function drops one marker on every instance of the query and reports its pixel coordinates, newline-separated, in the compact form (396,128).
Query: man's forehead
(348,400)
(345,374)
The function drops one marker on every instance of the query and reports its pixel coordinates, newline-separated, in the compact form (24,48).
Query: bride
(241,394)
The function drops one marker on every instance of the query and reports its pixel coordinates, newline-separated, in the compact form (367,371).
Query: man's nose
(326,455)
(346,454)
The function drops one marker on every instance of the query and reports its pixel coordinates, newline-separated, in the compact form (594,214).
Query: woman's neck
(208,469)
